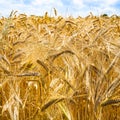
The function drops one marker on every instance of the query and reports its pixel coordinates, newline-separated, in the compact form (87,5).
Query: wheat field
(57,68)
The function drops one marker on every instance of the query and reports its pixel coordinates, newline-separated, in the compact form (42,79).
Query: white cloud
(41,2)
(46,2)
(78,2)
(99,2)
(110,2)
(97,7)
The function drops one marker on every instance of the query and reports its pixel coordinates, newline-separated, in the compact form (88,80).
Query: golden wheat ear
(110,102)
(51,102)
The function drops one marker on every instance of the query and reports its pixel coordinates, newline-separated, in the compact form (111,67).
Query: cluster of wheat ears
(55,68)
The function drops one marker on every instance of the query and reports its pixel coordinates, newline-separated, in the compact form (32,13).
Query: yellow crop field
(57,68)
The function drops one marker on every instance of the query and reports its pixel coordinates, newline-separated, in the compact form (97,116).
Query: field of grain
(56,68)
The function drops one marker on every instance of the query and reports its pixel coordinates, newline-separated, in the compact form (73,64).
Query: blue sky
(64,7)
